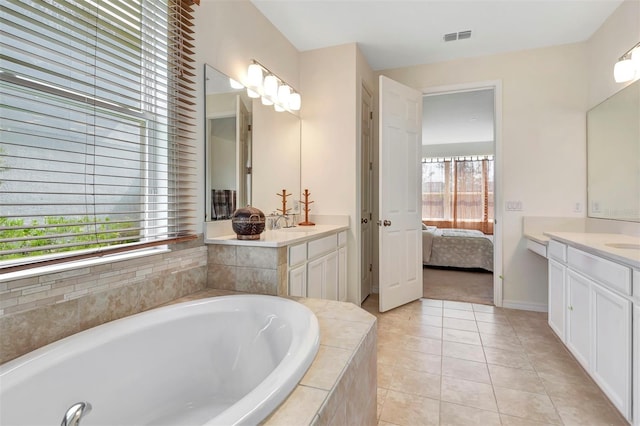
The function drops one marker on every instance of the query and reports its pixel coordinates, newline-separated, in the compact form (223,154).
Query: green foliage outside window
(61,230)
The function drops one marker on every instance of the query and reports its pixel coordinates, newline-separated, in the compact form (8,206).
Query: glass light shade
(278,108)
(266,101)
(635,58)
(624,71)
(235,85)
(284,92)
(271,86)
(295,102)
(254,75)
(252,93)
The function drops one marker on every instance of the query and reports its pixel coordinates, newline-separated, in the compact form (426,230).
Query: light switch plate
(513,206)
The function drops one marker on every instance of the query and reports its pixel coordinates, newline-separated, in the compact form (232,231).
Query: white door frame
(496,85)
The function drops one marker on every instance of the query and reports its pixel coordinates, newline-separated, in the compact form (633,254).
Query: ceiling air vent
(450,37)
(461,35)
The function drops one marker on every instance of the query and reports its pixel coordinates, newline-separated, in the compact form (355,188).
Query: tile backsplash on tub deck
(42,309)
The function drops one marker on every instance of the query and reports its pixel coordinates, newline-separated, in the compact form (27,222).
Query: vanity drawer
(322,246)
(537,248)
(557,251)
(614,275)
(297,254)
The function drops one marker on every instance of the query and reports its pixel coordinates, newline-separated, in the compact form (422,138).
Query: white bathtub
(219,361)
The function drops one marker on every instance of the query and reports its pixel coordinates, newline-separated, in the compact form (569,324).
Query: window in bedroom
(96,110)
(458,192)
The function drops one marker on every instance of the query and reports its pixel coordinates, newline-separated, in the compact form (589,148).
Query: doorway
(463,122)
(366,193)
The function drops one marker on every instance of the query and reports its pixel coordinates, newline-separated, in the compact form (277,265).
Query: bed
(458,248)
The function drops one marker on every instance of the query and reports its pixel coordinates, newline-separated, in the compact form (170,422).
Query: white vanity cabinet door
(342,274)
(577,337)
(322,277)
(636,361)
(611,350)
(557,292)
(298,281)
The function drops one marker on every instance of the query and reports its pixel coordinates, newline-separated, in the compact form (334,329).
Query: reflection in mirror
(228,146)
(252,151)
(613,156)
(276,148)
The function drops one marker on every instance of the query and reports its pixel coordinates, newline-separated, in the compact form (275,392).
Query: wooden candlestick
(306,203)
(284,196)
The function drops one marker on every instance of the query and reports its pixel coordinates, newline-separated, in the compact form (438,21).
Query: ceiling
(400,33)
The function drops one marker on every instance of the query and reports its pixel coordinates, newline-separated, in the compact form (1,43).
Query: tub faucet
(75,413)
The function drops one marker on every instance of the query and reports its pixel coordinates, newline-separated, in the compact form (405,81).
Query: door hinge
(370,165)
(249,127)
(370,115)
(370,216)
(370,267)
(248,170)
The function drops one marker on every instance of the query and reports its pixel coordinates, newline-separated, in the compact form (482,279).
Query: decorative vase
(248,223)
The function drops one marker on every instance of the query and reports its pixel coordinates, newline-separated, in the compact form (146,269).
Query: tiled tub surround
(340,386)
(42,309)
(258,266)
(249,269)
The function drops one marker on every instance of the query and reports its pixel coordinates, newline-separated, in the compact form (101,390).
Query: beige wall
(328,166)
(543,150)
(619,33)
(546,93)
(229,34)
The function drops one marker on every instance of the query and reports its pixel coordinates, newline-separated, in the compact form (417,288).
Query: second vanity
(306,261)
(594,308)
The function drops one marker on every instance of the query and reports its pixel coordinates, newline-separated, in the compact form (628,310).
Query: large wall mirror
(613,156)
(252,151)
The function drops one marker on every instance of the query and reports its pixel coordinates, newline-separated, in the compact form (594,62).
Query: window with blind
(96,151)
(458,192)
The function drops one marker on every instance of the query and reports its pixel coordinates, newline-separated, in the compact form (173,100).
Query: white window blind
(96,119)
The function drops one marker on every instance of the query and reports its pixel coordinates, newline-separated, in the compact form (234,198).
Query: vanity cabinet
(318,268)
(557,285)
(596,320)
(577,337)
(636,348)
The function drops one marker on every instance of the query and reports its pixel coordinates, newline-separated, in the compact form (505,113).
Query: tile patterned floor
(455,363)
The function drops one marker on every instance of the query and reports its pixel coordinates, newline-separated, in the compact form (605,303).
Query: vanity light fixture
(262,83)
(234,84)
(628,66)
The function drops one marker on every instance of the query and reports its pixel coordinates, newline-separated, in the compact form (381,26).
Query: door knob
(364,220)
(386,222)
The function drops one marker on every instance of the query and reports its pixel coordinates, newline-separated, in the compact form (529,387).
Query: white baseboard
(525,306)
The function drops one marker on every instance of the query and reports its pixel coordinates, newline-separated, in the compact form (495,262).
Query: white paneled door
(400,229)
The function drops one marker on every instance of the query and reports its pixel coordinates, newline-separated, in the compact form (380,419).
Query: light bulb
(266,101)
(295,102)
(254,75)
(271,86)
(235,85)
(624,71)
(635,58)
(252,93)
(284,92)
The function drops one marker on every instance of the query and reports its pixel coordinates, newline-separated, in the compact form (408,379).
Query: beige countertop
(280,237)
(538,237)
(599,244)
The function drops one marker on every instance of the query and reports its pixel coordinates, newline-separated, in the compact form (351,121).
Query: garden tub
(219,361)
